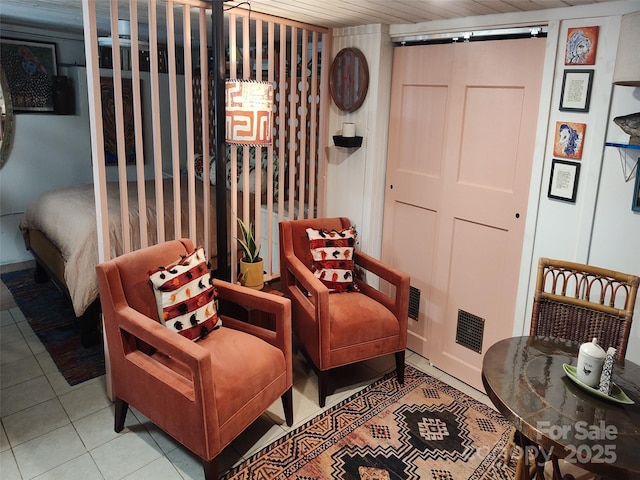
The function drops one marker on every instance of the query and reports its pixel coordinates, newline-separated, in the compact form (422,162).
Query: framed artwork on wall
(563,183)
(29,68)
(576,90)
(582,43)
(109,121)
(569,138)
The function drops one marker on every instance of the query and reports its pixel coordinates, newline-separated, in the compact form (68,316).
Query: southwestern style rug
(424,429)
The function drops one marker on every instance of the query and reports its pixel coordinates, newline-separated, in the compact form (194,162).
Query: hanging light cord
(239,5)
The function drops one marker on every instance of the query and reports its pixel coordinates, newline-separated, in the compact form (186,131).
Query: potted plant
(251,266)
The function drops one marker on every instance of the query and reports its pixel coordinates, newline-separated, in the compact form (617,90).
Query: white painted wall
(599,228)
(356,177)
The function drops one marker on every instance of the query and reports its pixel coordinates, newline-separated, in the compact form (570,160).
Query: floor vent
(414,302)
(469,331)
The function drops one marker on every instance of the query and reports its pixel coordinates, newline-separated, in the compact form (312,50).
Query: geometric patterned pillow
(186,297)
(332,255)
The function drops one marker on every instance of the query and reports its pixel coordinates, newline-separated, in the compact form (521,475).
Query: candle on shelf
(348,129)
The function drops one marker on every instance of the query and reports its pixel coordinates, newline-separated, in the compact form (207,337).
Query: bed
(59,229)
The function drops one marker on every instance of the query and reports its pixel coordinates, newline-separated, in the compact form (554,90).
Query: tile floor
(53,431)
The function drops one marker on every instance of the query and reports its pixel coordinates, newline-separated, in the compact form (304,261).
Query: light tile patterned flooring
(53,431)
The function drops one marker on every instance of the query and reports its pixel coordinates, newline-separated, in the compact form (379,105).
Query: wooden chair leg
(400,366)
(287,405)
(121,413)
(323,386)
(210,469)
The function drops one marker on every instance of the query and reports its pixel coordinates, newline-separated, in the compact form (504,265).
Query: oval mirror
(6,119)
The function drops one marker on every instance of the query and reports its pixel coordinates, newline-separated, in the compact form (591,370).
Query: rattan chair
(578,302)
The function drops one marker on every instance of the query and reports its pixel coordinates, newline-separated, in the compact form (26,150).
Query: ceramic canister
(590,360)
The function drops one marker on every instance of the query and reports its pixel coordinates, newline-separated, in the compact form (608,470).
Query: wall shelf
(348,142)
(623,145)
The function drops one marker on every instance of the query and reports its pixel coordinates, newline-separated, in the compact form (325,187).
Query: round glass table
(525,379)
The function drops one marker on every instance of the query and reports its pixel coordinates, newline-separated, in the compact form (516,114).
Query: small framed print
(563,184)
(576,90)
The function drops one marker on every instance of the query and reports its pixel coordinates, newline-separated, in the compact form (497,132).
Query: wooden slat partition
(284,53)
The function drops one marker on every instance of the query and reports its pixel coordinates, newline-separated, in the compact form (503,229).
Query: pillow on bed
(332,255)
(186,297)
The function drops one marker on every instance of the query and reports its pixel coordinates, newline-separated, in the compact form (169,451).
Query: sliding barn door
(463,120)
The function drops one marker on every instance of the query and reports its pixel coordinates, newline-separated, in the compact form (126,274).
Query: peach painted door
(461,141)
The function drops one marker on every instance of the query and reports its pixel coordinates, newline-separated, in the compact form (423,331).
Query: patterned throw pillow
(332,255)
(186,297)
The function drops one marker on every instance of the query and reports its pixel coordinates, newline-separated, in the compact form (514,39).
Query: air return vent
(469,331)
(414,302)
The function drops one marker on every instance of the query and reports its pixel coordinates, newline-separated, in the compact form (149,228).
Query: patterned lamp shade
(249,112)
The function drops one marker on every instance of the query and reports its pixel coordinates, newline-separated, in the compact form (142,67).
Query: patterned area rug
(422,430)
(51,316)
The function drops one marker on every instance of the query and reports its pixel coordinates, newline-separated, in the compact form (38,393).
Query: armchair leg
(287,404)
(121,413)
(400,366)
(210,469)
(323,386)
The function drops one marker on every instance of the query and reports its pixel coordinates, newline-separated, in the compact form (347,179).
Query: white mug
(590,361)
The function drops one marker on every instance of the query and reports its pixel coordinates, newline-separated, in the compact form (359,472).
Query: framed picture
(563,184)
(576,90)
(109,121)
(581,47)
(636,191)
(29,68)
(569,138)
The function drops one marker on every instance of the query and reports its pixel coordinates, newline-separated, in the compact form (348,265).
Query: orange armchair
(337,329)
(201,393)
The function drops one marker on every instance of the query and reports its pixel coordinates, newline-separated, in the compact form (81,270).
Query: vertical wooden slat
(188,100)
(293,113)
(313,151)
(246,75)
(302,128)
(97,150)
(137,119)
(282,153)
(155,120)
(323,127)
(173,113)
(270,233)
(119,110)
(204,101)
(97,134)
(257,203)
(233,217)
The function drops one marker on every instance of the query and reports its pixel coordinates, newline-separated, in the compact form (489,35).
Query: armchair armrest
(280,307)
(400,280)
(316,297)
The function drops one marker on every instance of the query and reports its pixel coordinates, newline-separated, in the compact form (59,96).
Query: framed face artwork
(569,138)
(581,47)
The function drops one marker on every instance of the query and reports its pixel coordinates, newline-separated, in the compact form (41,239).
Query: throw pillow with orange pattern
(332,255)
(186,297)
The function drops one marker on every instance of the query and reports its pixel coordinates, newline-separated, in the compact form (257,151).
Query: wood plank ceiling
(67,14)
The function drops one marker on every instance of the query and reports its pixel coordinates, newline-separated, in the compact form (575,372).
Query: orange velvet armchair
(201,393)
(337,329)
